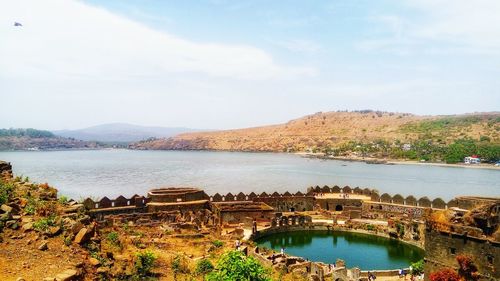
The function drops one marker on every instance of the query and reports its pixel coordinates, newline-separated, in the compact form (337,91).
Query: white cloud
(300,45)
(458,26)
(69,38)
(473,23)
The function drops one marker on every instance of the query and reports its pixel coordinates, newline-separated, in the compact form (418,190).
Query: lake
(113,172)
(353,248)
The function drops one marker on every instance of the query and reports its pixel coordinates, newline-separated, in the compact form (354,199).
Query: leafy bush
(417,268)
(204,266)
(145,262)
(179,264)
(113,238)
(63,199)
(31,206)
(6,190)
(217,243)
(370,227)
(401,229)
(44,223)
(233,265)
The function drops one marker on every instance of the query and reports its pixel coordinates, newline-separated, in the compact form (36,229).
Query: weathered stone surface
(26,219)
(27,226)
(49,279)
(82,236)
(12,224)
(5,208)
(67,275)
(43,246)
(54,230)
(102,269)
(94,261)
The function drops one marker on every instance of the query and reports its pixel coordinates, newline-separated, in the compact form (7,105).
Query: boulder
(102,269)
(54,230)
(43,246)
(314,277)
(94,261)
(12,224)
(26,219)
(5,208)
(27,226)
(67,275)
(82,236)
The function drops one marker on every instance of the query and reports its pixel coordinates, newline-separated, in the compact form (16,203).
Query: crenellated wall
(353,202)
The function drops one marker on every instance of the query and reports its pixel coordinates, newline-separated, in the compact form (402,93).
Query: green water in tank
(367,252)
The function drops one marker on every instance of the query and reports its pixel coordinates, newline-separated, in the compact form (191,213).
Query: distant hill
(121,133)
(33,139)
(366,133)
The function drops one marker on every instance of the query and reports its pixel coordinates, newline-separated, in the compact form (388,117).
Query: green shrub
(44,223)
(417,268)
(145,262)
(63,199)
(6,190)
(217,243)
(400,229)
(370,227)
(204,266)
(233,265)
(113,238)
(31,206)
(179,265)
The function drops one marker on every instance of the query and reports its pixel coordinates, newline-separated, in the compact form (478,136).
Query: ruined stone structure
(191,207)
(349,202)
(242,212)
(475,234)
(5,170)
(171,198)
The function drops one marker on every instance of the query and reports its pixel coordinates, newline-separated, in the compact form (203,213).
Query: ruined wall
(183,207)
(244,216)
(5,170)
(385,210)
(442,248)
(339,204)
(288,203)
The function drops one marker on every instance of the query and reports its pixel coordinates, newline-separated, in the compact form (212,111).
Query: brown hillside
(334,128)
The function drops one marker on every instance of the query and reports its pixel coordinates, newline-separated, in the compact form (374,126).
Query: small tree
(145,262)
(204,266)
(233,265)
(417,268)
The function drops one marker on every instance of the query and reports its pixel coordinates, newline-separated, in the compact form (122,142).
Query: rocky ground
(43,237)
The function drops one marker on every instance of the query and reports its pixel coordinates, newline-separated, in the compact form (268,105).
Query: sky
(218,64)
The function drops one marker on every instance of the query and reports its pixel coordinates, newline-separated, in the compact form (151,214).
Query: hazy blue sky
(228,64)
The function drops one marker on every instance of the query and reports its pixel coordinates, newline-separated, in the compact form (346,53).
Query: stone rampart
(365,202)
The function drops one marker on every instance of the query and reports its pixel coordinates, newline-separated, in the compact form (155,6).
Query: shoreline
(381,161)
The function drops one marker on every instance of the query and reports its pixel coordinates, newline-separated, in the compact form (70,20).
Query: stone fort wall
(306,201)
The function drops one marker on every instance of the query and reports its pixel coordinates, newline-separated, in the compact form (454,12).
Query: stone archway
(339,208)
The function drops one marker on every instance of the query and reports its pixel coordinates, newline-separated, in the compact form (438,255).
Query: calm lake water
(353,248)
(114,172)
